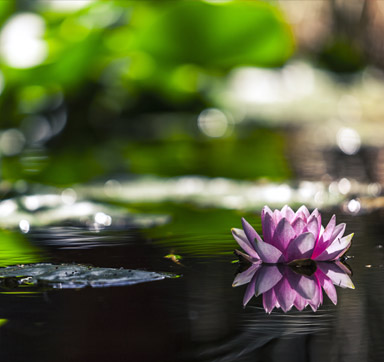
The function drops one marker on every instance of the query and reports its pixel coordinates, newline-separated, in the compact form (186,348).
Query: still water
(198,316)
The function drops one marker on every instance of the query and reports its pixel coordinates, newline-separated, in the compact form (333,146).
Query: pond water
(197,316)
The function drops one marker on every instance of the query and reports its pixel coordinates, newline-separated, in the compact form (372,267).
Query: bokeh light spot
(21,45)
(348,141)
(24,226)
(213,122)
(11,142)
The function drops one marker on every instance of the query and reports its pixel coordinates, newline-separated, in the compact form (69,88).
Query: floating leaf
(69,276)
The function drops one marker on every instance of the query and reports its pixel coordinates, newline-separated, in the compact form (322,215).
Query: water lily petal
(285,294)
(303,213)
(325,238)
(321,230)
(288,213)
(313,225)
(338,232)
(324,243)
(269,301)
(301,247)
(316,214)
(246,276)
(250,232)
(269,227)
(336,249)
(328,231)
(266,210)
(284,233)
(240,254)
(244,243)
(277,216)
(298,225)
(267,277)
(267,252)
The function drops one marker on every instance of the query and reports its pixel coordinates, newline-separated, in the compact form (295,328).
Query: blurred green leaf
(215,35)
(15,249)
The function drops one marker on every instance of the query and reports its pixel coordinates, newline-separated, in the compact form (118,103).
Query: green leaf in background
(220,35)
(15,249)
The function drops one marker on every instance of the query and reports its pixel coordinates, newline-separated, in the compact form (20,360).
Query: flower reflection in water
(298,285)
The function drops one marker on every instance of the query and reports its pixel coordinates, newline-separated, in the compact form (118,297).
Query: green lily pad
(73,276)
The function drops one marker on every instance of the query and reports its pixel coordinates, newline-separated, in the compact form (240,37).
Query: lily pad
(73,276)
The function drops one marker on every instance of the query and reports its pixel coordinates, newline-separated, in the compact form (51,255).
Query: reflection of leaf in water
(14,249)
(69,276)
(193,232)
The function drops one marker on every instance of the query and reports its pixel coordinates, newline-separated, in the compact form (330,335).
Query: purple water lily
(284,288)
(290,236)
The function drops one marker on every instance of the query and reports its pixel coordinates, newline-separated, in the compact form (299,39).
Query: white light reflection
(24,226)
(21,43)
(7,207)
(348,141)
(333,188)
(299,79)
(256,85)
(279,194)
(307,190)
(344,186)
(320,197)
(103,219)
(189,186)
(213,122)
(32,203)
(253,85)
(68,5)
(11,142)
(68,196)
(353,206)
(374,189)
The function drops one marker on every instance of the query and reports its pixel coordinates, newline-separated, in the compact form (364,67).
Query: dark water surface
(197,317)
